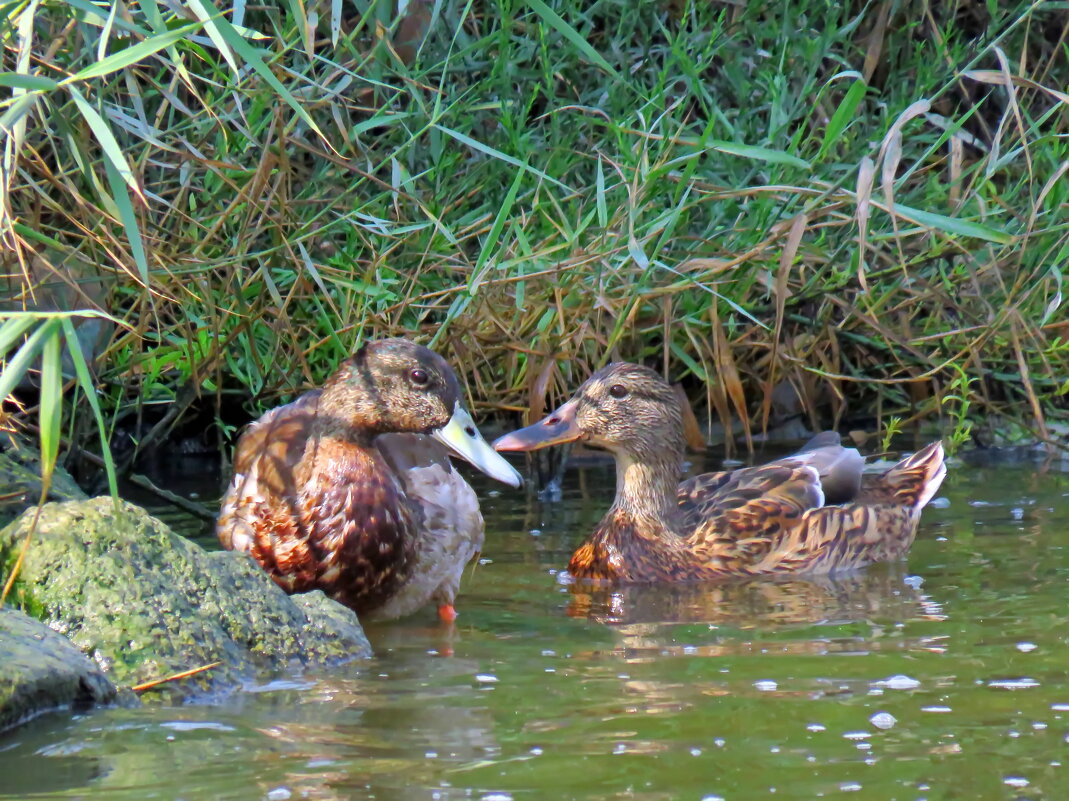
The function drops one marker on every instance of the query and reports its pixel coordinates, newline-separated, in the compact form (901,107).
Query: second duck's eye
(618,391)
(419,377)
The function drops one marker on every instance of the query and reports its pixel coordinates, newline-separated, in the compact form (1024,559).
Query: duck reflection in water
(882,593)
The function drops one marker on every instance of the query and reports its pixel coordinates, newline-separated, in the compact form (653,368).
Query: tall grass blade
(954,226)
(29,83)
(757,153)
(89,392)
(129,221)
(51,404)
(18,366)
(129,56)
(113,153)
(12,331)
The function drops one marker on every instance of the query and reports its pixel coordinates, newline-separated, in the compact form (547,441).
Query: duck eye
(419,377)
(618,391)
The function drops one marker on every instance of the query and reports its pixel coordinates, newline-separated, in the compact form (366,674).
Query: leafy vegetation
(859,207)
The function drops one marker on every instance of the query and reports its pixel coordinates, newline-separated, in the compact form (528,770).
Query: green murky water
(943,679)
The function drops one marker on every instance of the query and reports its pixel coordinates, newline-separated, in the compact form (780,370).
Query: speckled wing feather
(751,509)
(266,455)
(879,526)
(912,482)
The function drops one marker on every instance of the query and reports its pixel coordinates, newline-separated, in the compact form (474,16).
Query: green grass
(864,200)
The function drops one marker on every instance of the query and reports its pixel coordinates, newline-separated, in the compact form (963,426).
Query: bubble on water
(279,794)
(857,735)
(1025,647)
(496,797)
(936,709)
(765,685)
(899,682)
(1015,781)
(939,503)
(486,678)
(849,787)
(536,751)
(916,582)
(816,727)
(1022,683)
(883,720)
(695,752)
(535,532)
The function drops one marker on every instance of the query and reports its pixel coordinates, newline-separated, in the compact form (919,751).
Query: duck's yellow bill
(463,439)
(559,427)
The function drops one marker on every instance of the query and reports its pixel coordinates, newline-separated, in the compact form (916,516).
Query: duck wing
(878,526)
(264,461)
(738,515)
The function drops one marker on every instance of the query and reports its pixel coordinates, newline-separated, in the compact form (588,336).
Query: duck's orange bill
(559,427)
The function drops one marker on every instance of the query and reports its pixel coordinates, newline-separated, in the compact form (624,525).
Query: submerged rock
(43,671)
(145,603)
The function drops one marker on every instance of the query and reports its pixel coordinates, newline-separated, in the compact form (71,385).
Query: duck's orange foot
(446,613)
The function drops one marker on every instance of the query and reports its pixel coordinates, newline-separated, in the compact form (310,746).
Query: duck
(350,488)
(813,512)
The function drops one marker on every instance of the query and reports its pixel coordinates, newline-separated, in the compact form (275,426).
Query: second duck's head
(393,385)
(625,408)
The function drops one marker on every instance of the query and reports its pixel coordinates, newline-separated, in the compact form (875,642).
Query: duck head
(625,408)
(393,385)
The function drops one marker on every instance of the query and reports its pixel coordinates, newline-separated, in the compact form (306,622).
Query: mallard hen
(810,512)
(349,489)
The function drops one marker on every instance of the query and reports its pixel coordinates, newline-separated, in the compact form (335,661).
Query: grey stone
(43,671)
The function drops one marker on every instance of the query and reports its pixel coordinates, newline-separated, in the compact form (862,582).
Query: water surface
(941,678)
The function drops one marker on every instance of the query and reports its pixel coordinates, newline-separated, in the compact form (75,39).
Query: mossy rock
(43,671)
(145,603)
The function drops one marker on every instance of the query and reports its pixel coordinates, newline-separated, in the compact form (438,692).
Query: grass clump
(843,210)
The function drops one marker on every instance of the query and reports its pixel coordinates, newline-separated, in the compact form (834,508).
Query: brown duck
(349,489)
(810,512)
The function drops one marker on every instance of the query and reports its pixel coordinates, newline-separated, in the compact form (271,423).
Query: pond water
(943,678)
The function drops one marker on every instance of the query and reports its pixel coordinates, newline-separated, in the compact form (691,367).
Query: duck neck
(646,488)
(358,425)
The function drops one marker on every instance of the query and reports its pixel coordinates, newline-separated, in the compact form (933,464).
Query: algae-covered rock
(42,671)
(145,603)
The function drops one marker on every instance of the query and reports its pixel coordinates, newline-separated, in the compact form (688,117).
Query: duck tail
(915,480)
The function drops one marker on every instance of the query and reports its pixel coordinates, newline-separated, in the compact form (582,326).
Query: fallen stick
(185,674)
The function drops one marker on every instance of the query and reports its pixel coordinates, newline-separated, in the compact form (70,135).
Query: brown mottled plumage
(810,512)
(341,491)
